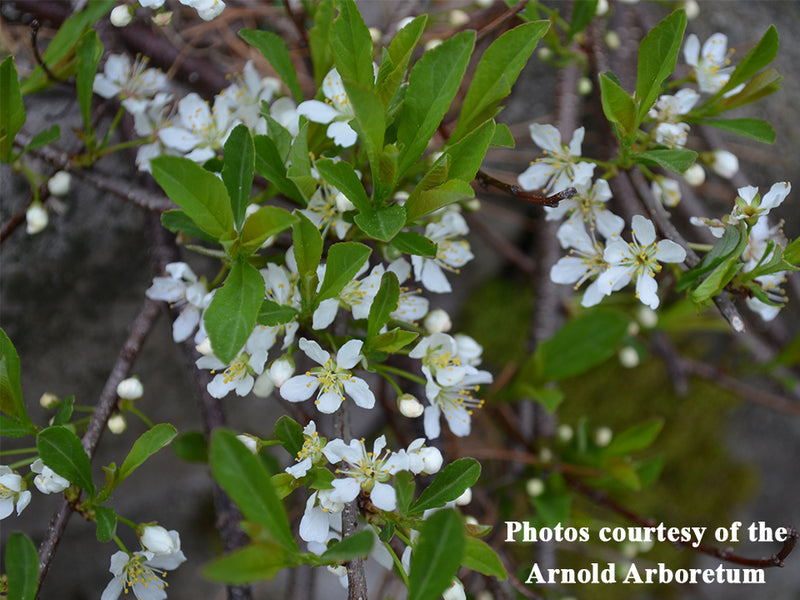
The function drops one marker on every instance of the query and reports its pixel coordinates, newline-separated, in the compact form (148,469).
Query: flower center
(136,572)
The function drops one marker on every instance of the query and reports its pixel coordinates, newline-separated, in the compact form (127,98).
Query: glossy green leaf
(404,488)
(64,413)
(432,85)
(437,555)
(272,314)
(393,67)
(257,562)
(150,442)
(553,507)
(549,397)
(307,245)
(177,221)
(271,167)
(369,122)
(382,224)
(676,160)
(343,177)
(12,111)
(191,446)
(634,438)
(263,224)
(755,129)
(10,387)
(238,170)
(412,242)
(760,86)
(352,44)
(319,40)
(47,136)
(61,450)
(273,48)
(393,340)
(763,53)
(299,170)
(243,476)
(384,304)
(432,200)
(583,12)
(22,567)
(466,156)
(480,557)
(503,138)
(290,434)
(198,192)
(12,428)
(344,261)
(231,316)
(717,279)
(496,73)
(658,54)
(618,106)
(89,51)
(106,520)
(351,547)
(448,485)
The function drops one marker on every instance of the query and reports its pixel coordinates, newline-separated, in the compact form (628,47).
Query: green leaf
(393,340)
(272,314)
(256,562)
(393,67)
(384,304)
(765,83)
(12,111)
(61,450)
(718,279)
(479,556)
(150,442)
(319,40)
(549,397)
(432,85)
(290,434)
(106,520)
(307,245)
(271,166)
(246,480)
(676,160)
(496,73)
(437,555)
(432,200)
(503,138)
(237,172)
(351,547)
(658,54)
(468,153)
(634,438)
(412,242)
(624,472)
(553,507)
(763,53)
(64,412)
(10,387)
(263,224)
(22,567)
(618,106)
(352,45)
(300,165)
(345,260)
(177,221)
(89,51)
(449,484)
(755,129)
(404,488)
(231,316)
(583,12)
(43,138)
(273,48)
(198,192)
(382,224)
(370,123)
(191,446)
(580,344)
(344,178)
(12,428)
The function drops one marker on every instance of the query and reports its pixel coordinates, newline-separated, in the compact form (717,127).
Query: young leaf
(480,557)
(10,387)
(12,111)
(64,412)
(237,172)
(432,200)
(618,106)
(231,316)
(243,476)
(300,165)
(467,154)
(319,40)
(150,442)
(191,446)
(503,138)
(384,304)
(755,129)
(272,314)
(396,57)
(358,544)
(352,45)
(273,48)
(12,428)
(370,122)
(270,166)
(658,54)
(178,221)
(263,224)
(412,242)
(345,259)
(106,520)
(393,340)
(763,53)
(496,73)
(437,555)
(343,177)
(257,562)
(43,138)
(634,438)
(404,487)
(449,484)
(198,192)
(676,160)
(307,245)
(432,85)
(382,224)
(582,13)
(290,434)
(89,51)
(61,450)
(22,567)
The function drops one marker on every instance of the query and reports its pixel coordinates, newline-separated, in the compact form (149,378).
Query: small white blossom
(559,168)
(309,454)
(121,15)
(47,481)
(589,204)
(724,163)
(451,253)
(201,129)
(239,375)
(250,442)
(666,190)
(455,401)
(140,573)
(672,135)
(12,492)
(585,261)
(59,183)
(125,80)
(455,591)
(603,436)
(206,9)
(36,218)
(710,63)
(164,544)
(130,389)
(337,111)
(185,292)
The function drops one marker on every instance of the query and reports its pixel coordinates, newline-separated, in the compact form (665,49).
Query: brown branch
(511,12)
(37,56)
(514,190)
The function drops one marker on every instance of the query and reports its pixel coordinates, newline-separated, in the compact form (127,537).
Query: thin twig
(511,12)
(514,190)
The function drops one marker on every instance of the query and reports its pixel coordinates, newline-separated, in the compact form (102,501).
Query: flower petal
(299,388)
(383,496)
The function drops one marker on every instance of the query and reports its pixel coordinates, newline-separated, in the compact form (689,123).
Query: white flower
(672,135)
(206,9)
(238,376)
(250,442)
(12,492)
(121,15)
(149,118)
(59,183)
(130,389)
(183,291)
(455,591)
(410,305)
(695,175)
(245,96)
(750,205)
(337,111)
(357,295)
(559,169)
(724,163)
(139,573)
(771,285)
(603,436)
(669,108)
(585,261)
(451,254)
(326,209)
(368,471)
(36,218)
(281,288)
(666,190)
(322,520)
(166,545)
(589,204)
(439,354)
(47,481)
(710,62)
(125,80)
(309,454)
(756,252)
(639,258)
(201,129)
(438,321)
(333,378)
(455,401)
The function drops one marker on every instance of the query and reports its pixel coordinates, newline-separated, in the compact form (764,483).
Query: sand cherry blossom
(201,129)
(47,481)
(164,544)
(357,295)
(239,375)
(309,454)
(560,167)
(451,253)
(141,573)
(12,492)
(455,401)
(710,63)
(589,205)
(337,110)
(585,261)
(185,292)
(128,80)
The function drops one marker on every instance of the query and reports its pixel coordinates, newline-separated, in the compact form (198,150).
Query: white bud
(454,592)
(647,317)
(545,454)
(484,3)
(437,321)
(695,175)
(401,196)
(409,406)
(432,43)
(633,328)
(117,423)
(602,8)
(613,40)
(251,442)
(121,15)
(470,520)
(338,570)
(130,389)
(584,86)
(602,436)
(725,164)
(59,183)
(263,386)
(47,481)
(457,18)
(48,401)
(465,498)
(534,487)
(36,217)
(692,9)
(544,53)
(629,357)
(163,18)
(204,347)
(376,35)
(281,370)
(564,432)
(666,190)
(431,459)
(158,540)
(343,203)
(472,205)
(629,549)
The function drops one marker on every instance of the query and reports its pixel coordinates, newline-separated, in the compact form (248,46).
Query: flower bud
(564,432)
(281,370)
(158,540)
(534,487)
(545,454)
(204,347)
(454,592)
(49,401)
(602,436)
(629,357)
(338,570)
(409,406)
(403,22)
(263,386)
(36,217)
(47,481)
(725,164)
(472,205)
(59,183)
(457,18)
(400,197)
(692,9)
(432,43)
(163,18)
(117,423)
(437,321)
(612,40)
(250,441)
(666,190)
(484,3)
(695,175)
(544,53)
(465,498)
(584,86)
(601,9)
(130,388)
(121,15)
(431,459)
(647,317)
(376,35)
